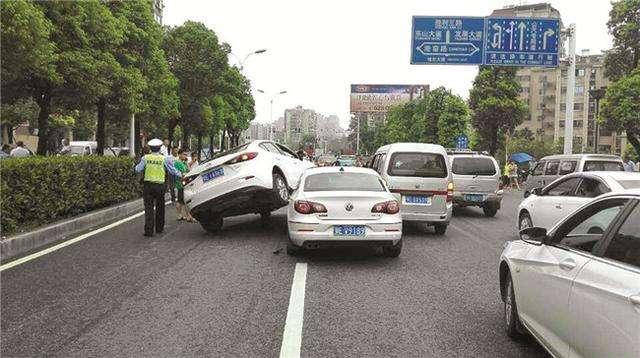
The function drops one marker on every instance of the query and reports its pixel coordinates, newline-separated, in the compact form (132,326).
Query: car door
(551,172)
(552,205)
(535,180)
(605,298)
(548,271)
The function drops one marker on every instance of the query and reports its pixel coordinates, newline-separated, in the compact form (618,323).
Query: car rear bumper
(429,218)
(488,198)
(312,235)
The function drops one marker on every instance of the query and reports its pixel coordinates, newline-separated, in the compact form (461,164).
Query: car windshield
(425,165)
(343,181)
(602,166)
(630,184)
(473,166)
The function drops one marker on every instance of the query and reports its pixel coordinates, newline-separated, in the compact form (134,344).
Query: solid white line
(292,335)
(69,242)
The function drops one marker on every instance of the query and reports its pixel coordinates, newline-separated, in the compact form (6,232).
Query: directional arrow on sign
(453,49)
(546,34)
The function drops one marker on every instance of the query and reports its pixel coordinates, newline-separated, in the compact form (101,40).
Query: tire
(280,190)
(392,251)
(292,250)
(490,210)
(511,319)
(524,221)
(440,228)
(213,225)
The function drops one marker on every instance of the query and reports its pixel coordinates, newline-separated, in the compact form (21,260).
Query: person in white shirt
(164,149)
(20,150)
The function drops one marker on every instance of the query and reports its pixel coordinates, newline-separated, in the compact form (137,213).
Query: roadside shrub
(39,190)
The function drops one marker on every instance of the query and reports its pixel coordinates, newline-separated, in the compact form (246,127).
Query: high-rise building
(544,90)
(298,123)
(158,7)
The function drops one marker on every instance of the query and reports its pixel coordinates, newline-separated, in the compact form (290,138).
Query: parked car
(87,147)
(576,287)
(476,181)
(552,167)
(325,160)
(545,207)
(346,161)
(343,206)
(419,177)
(256,177)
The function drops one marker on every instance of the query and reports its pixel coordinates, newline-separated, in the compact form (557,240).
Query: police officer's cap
(155,142)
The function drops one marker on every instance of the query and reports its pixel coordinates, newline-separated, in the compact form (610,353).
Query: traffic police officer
(154,165)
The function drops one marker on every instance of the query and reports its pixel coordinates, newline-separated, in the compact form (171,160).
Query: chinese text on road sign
(490,41)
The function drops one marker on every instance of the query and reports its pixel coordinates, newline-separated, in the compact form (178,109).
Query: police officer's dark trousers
(153,196)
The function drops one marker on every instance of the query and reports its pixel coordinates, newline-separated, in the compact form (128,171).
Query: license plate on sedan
(419,200)
(349,230)
(473,197)
(218,172)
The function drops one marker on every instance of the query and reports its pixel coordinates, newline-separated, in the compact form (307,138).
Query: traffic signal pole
(571,83)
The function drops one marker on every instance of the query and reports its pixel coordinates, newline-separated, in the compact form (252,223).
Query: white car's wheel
(280,190)
(524,221)
(511,320)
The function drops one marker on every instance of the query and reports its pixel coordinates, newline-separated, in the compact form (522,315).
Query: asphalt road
(187,293)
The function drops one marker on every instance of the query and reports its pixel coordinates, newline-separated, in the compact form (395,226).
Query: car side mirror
(536,191)
(533,235)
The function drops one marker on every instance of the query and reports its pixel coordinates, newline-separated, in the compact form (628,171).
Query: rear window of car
(602,165)
(630,184)
(473,166)
(424,165)
(343,181)
(230,151)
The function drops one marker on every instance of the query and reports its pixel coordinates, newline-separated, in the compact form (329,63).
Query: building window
(563,107)
(580,72)
(578,106)
(563,90)
(579,90)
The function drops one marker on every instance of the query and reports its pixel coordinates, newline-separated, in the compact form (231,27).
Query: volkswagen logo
(348,206)
(417,186)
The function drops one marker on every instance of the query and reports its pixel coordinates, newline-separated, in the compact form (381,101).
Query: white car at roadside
(576,289)
(343,206)
(545,207)
(256,177)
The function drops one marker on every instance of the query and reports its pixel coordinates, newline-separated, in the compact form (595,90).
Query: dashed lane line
(292,335)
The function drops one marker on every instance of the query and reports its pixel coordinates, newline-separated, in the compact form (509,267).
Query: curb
(29,241)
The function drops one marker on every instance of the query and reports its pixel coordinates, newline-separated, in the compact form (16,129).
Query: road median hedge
(35,191)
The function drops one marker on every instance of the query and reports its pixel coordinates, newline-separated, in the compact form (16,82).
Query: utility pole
(571,83)
(132,136)
(597,95)
(358,136)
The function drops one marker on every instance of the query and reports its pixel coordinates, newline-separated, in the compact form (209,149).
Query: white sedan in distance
(544,207)
(576,288)
(343,206)
(256,177)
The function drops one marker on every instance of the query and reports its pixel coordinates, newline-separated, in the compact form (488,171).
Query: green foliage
(496,105)
(620,108)
(38,190)
(22,110)
(624,26)
(453,121)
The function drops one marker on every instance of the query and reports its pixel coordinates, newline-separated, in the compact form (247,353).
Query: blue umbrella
(520,157)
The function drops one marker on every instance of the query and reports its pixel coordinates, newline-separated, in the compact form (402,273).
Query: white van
(476,180)
(419,176)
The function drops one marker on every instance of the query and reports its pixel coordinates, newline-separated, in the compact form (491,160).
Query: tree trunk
(44,102)
(171,129)
(212,137)
(185,137)
(222,144)
(635,141)
(136,140)
(199,143)
(100,130)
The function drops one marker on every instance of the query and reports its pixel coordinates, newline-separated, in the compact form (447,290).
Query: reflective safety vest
(154,168)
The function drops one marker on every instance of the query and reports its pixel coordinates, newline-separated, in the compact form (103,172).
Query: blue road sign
(522,42)
(442,40)
(462,142)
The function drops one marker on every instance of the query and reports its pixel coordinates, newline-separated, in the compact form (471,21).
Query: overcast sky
(316,49)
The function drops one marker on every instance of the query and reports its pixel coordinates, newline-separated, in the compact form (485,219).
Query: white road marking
(69,242)
(292,335)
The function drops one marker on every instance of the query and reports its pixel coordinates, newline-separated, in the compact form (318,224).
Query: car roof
(413,147)
(83,142)
(609,177)
(337,169)
(580,156)
(626,192)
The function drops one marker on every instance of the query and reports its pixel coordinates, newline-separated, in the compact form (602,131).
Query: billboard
(378,98)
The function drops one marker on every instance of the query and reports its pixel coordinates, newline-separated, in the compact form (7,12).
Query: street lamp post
(597,95)
(241,62)
(271,110)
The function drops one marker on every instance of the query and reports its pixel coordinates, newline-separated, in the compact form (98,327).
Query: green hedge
(39,190)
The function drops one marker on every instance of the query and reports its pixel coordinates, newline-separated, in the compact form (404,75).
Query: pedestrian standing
(182,167)
(20,150)
(195,160)
(513,175)
(155,167)
(170,179)
(628,164)
(6,149)
(164,149)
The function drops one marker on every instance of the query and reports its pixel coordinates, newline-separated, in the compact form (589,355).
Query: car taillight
(450,192)
(187,180)
(308,207)
(242,158)
(386,207)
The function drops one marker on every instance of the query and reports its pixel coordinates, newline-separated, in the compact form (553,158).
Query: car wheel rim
(282,189)
(524,223)
(507,306)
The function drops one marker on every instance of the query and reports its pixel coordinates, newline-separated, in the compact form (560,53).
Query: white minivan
(419,176)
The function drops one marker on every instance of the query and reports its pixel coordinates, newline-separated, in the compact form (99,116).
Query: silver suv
(476,181)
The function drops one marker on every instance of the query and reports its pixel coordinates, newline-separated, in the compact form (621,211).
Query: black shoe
(148,234)
(159,232)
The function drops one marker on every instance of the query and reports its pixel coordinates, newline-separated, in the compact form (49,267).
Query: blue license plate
(349,230)
(473,197)
(410,199)
(218,172)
